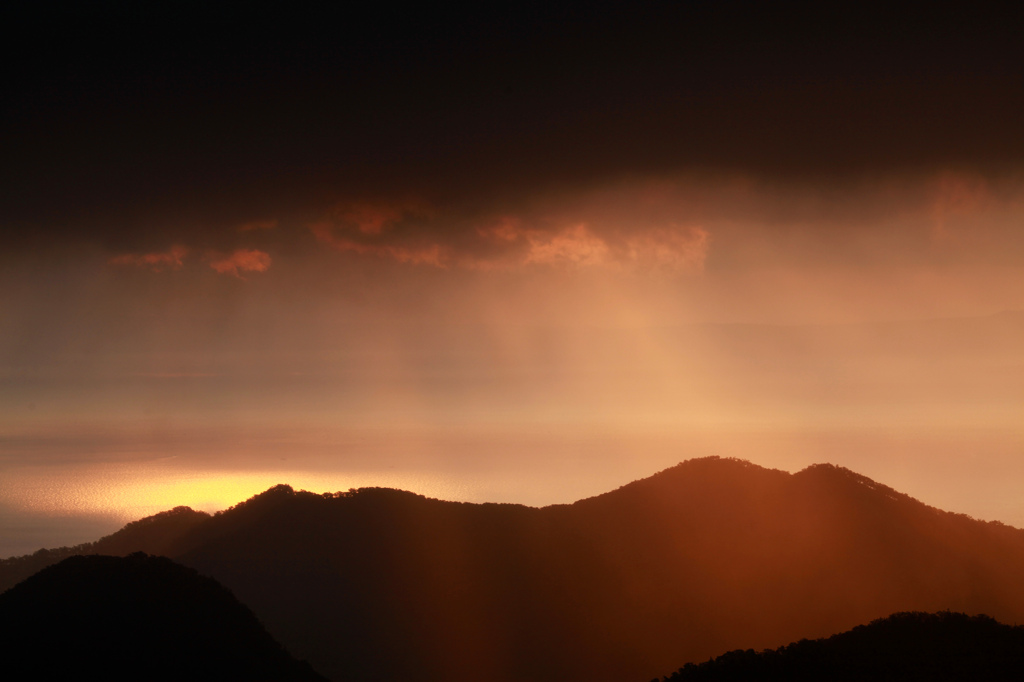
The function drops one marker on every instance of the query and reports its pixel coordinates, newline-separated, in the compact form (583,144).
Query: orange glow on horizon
(133,492)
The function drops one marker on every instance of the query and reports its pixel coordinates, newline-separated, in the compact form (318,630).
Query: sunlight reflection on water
(130,492)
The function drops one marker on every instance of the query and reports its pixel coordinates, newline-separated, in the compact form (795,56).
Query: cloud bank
(242,260)
(171,259)
(234,263)
(415,235)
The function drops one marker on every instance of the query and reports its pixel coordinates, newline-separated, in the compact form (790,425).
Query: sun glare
(143,490)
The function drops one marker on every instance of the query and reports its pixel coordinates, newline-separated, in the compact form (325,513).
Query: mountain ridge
(707,556)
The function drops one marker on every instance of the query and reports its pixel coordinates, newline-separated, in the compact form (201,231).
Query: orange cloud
(430,254)
(957,196)
(412,234)
(662,248)
(247,260)
(508,229)
(158,261)
(671,248)
(383,230)
(575,245)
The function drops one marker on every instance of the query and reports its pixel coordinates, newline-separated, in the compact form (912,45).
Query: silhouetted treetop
(904,647)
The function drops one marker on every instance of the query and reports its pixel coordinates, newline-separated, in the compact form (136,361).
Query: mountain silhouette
(135,617)
(708,556)
(905,647)
(155,534)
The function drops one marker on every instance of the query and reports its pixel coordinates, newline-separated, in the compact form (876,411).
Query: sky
(516,253)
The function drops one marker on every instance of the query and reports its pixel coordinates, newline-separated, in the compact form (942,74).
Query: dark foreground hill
(905,647)
(708,556)
(135,618)
(155,534)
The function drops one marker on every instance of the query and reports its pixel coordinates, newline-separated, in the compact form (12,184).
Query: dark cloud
(140,127)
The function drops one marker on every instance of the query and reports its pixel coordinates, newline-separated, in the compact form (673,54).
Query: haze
(532,293)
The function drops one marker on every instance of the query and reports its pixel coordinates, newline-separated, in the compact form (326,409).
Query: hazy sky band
(497,248)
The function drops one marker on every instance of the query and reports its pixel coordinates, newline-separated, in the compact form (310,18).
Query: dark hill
(131,618)
(707,556)
(155,534)
(905,647)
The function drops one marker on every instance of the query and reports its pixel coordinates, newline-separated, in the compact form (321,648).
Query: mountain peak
(708,555)
(694,473)
(832,475)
